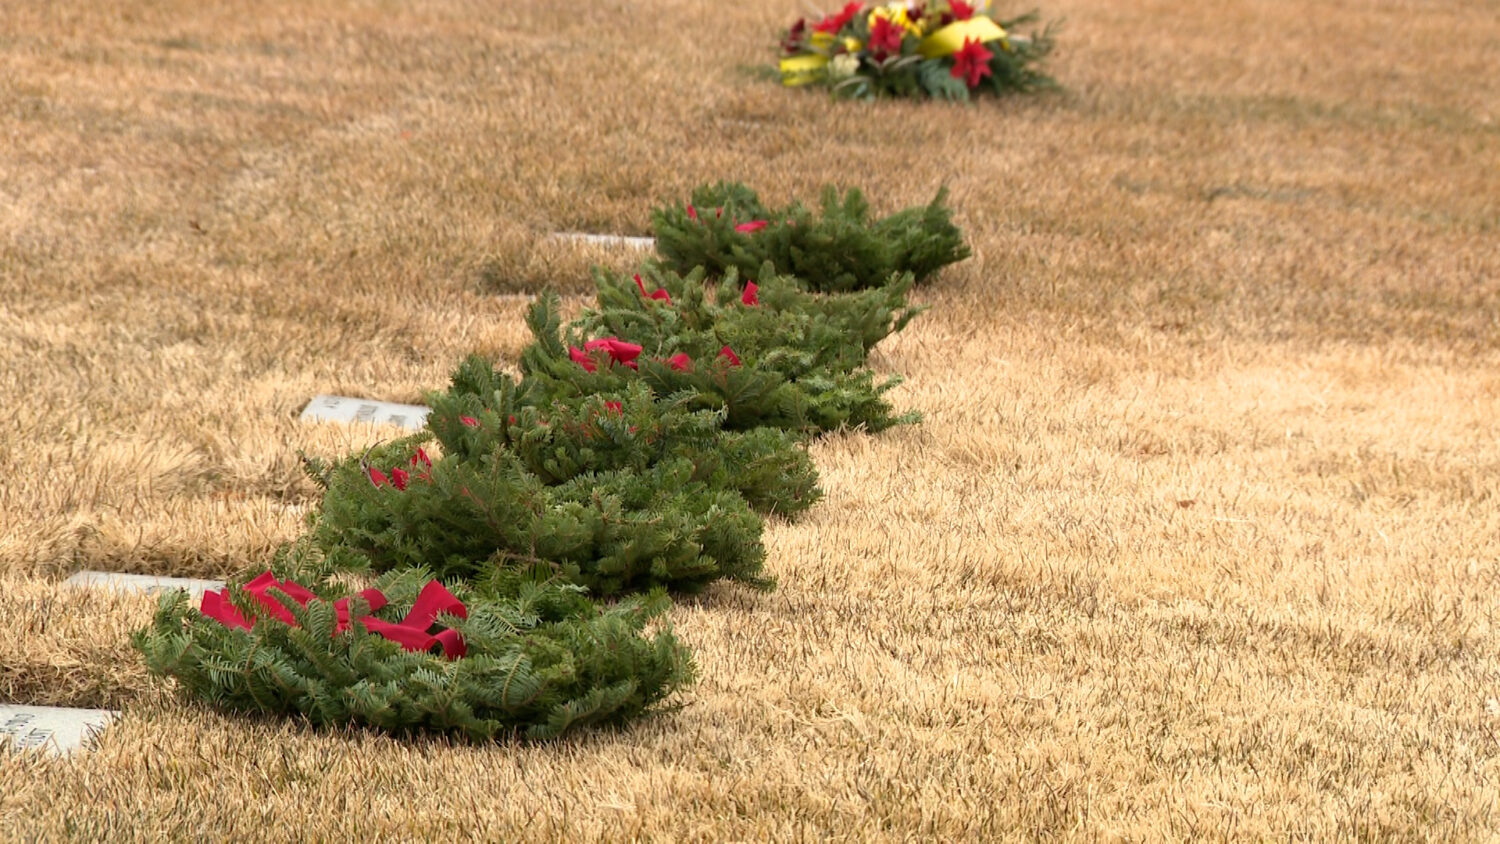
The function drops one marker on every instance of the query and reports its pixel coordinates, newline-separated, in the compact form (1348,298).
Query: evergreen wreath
(841,249)
(761,314)
(485,409)
(538,658)
(751,390)
(613,495)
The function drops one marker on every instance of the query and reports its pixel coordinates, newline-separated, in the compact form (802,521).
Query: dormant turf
(1199,539)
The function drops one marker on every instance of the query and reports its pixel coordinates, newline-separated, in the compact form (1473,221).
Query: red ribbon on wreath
(411,632)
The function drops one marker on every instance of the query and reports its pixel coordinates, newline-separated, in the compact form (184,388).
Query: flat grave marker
(608,239)
(149,584)
(50,729)
(325,408)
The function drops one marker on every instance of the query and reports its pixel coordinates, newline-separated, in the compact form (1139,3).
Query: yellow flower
(853,45)
(821,40)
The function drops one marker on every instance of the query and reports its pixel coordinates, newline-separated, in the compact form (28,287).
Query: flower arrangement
(944,49)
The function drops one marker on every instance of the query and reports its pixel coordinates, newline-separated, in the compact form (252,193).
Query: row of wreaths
(506,571)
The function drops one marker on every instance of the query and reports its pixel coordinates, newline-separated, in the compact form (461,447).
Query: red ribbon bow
(410,633)
(618,350)
(658,294)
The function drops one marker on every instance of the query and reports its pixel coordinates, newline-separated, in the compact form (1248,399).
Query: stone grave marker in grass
(50,729)
(325,408)
(608,239)
(149,584)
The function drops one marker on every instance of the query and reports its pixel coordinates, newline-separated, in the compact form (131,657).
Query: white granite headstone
(325,408)
(608,239)
(50,729)
(150,584)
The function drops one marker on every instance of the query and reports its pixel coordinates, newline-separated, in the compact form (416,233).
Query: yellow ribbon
(802,70)
(950,39)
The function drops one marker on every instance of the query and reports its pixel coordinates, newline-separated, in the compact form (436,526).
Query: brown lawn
(1200,537)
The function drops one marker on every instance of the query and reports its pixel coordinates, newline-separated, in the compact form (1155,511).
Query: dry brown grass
(1199,538)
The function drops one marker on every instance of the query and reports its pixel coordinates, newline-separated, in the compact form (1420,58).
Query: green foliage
(936,79)
(839,250)
(542,660)
(656,519)
(558,438)
(758,392)
(788,328)
(1014,66)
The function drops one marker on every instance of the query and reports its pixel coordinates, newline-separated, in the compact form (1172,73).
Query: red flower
(972,63)
(729,355)
(399,478)
(680,362)
(469,421)
(378,478)
(834,23)
(749,297)
(885,39)
(751,227)
(794,36)
(658,294)
(961,11)
(581,358)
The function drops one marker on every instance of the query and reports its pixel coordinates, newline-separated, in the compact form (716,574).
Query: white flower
(843,66)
